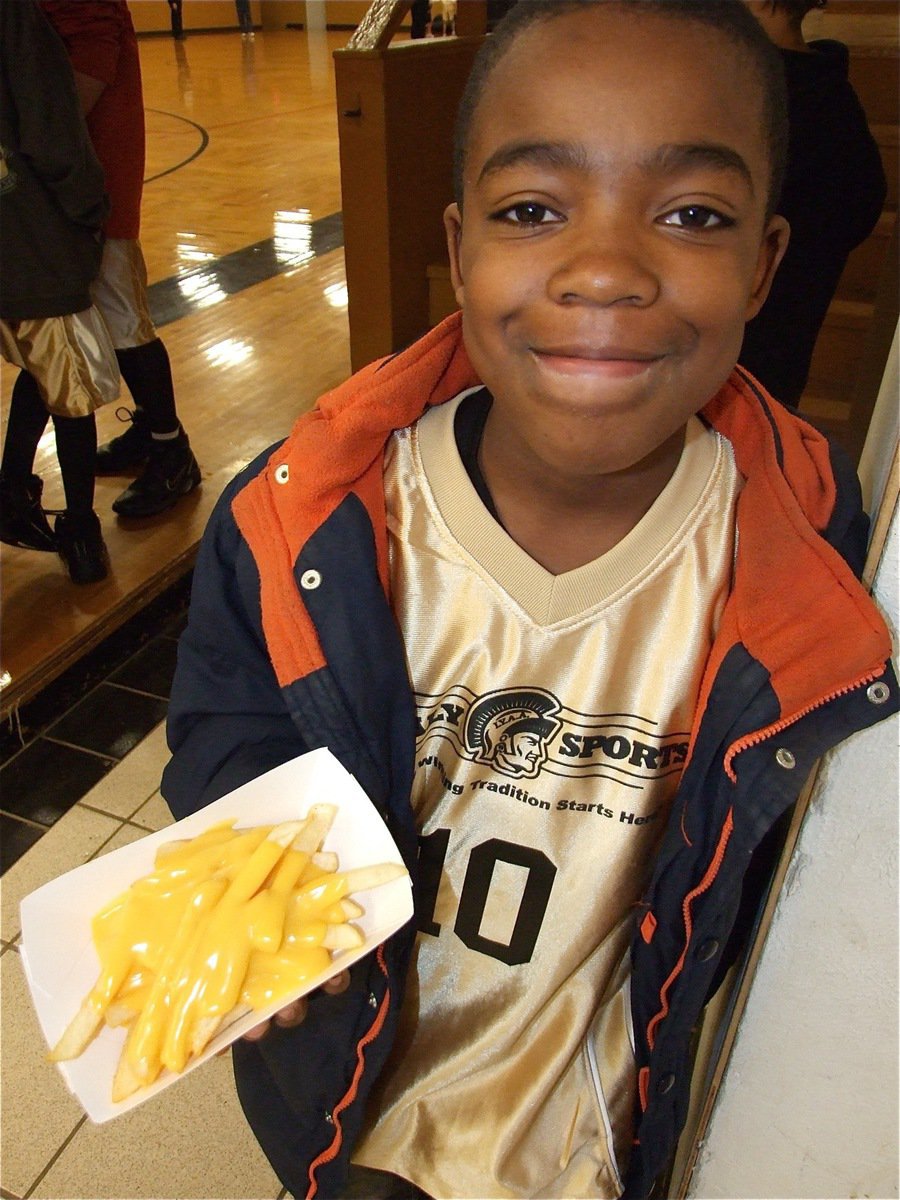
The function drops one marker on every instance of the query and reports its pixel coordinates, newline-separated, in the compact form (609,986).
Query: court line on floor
(204,142)
(183,295)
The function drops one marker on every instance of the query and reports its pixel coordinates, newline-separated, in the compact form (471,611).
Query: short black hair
(730,17)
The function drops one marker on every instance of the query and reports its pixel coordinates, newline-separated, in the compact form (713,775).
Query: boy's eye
(528,212)
(697,216)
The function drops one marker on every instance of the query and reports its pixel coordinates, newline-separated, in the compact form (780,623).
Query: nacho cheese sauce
(227,918)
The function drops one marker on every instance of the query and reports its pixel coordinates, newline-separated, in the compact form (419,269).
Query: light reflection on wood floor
(244,366)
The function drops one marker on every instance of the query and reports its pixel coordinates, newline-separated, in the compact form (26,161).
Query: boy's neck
(562,521)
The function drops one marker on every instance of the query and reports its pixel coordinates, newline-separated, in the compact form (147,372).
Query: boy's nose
(604,269)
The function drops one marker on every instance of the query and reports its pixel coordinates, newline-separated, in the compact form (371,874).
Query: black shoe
(171,472)
(22,520)
(128,452)
(81,547)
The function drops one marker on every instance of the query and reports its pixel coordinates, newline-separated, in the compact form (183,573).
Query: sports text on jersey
(524,732)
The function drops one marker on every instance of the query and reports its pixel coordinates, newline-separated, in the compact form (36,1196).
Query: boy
(511,576)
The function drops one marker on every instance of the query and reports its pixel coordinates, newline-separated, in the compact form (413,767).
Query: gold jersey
(553,714)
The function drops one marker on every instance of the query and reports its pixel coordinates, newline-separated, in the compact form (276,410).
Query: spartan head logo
(509,731)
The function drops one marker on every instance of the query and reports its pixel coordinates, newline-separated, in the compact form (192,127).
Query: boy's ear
(453,229)
(771,251)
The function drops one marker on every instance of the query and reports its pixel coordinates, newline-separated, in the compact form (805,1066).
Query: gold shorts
(71,358)
(120,292)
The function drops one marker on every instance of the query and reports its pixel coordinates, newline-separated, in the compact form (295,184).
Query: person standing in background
(100,40)
(420,17)
(177,20)
(244,16)
(833,194)
(52,210)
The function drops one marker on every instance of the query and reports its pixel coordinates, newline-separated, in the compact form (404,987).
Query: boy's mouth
(615,362)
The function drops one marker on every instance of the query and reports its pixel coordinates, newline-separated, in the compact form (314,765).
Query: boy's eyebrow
(669,158)
(559,155)
(677,156)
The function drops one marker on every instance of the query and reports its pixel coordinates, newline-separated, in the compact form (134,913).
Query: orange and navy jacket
(291,644)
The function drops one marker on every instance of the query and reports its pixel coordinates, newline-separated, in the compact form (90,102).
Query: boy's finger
(337,984)
(257,1032)
(291,1014)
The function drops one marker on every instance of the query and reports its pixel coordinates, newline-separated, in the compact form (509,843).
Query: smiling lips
(610,362)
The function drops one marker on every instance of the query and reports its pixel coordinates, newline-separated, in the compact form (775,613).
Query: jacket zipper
(744,743)
(762,735)
(705,883)
(332,1151)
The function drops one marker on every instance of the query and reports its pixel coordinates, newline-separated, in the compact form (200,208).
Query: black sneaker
(81,547)
(128,452)
(171,473)
(22,520)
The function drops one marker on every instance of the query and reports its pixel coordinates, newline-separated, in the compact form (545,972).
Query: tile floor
(86,782)
(57,747)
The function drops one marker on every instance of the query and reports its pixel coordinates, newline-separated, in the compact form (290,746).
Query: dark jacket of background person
(52,199)
(833,194)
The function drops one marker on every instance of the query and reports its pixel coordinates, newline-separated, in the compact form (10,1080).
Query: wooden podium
(396,103)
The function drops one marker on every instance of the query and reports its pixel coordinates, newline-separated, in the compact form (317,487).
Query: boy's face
(613,242)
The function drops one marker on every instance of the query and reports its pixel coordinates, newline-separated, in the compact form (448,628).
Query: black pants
(177,23)
(245,17)
(420,15)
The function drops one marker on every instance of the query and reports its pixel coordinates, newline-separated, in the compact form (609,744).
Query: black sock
(76,449)
(148,373)
(27,422)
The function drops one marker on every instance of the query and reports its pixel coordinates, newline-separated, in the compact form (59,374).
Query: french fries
(228,922)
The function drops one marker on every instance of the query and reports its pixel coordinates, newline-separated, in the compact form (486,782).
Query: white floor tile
(125,836)
(154,814)
(129,785)
(190,1142)
(39,1113)
(75,838)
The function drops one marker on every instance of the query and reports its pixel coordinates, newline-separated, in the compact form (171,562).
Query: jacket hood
(333,451)
(796,605)
(815,639)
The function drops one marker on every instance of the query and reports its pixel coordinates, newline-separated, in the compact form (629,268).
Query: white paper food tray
(61,964)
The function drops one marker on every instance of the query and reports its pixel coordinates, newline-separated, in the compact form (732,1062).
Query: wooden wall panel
(345,14)
(395,124)
(152,16)
(278,14)
(359,85)
(863,8)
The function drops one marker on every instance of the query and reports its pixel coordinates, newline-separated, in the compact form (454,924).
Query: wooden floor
(245,365)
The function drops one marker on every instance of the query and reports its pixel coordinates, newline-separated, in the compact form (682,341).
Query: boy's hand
(293,1014)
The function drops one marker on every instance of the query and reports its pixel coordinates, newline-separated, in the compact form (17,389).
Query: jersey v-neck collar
(445,442)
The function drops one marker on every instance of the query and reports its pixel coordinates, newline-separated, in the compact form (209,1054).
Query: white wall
(808,1106)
